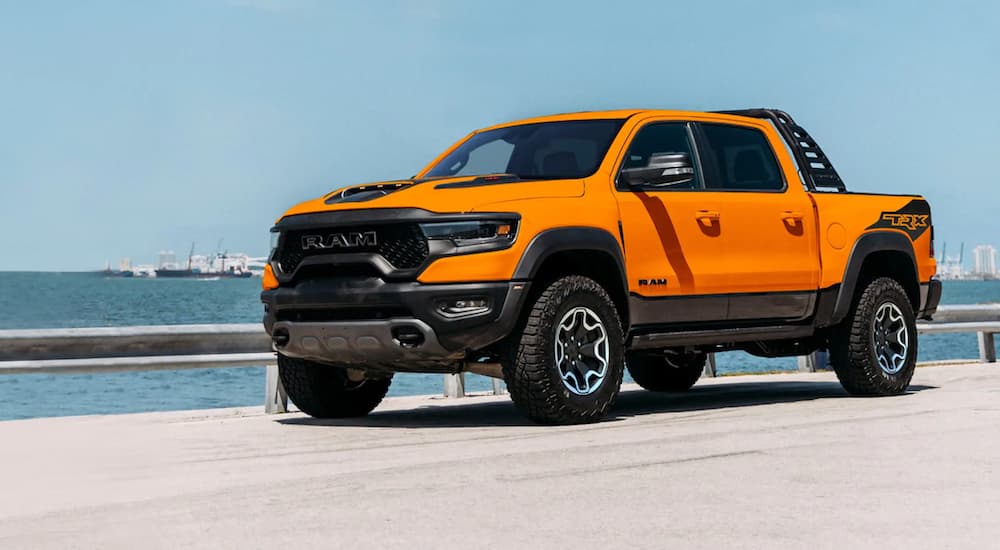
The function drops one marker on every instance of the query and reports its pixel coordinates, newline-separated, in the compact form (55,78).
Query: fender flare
(566,239)
(866,245)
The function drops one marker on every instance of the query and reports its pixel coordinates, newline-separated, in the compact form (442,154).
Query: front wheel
(326,391)
(566,367)
(666,371)
(874,350)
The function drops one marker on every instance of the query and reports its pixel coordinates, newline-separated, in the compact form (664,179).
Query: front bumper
(393,326)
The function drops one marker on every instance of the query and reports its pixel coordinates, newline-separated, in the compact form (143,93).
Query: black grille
(403,245)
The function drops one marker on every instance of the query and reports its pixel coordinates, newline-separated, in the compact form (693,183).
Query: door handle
(792,215)
(707,215)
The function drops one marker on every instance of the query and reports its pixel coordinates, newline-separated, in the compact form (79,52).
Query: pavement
(774,461)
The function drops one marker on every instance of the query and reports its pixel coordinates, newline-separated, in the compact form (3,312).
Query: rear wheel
(666,371)
(326,391)
(874,351)
(566,366)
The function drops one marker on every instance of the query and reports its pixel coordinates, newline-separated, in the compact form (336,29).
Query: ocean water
(60,300)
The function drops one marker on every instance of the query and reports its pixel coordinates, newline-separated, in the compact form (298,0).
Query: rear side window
(740,159)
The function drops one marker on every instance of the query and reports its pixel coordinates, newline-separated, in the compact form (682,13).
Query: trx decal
(913,219)
(909,221)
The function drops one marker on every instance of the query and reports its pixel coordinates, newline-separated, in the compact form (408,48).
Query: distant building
(950,267)
(167,259)
(985,258)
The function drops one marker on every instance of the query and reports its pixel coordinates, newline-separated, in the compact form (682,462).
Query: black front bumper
(359,321)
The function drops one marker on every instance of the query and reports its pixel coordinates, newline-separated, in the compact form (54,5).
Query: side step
(718,336)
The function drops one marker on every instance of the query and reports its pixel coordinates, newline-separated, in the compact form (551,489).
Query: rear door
(768,223)
(673,244)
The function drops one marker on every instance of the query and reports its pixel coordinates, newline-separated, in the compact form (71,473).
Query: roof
(595,115)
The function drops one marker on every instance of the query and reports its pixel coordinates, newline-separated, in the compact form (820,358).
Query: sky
(130,127)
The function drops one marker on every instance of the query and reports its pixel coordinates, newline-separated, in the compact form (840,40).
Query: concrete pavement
(781,461)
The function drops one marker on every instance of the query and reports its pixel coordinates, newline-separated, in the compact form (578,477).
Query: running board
(719,336)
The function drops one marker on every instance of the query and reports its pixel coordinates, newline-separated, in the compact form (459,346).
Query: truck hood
(461,194)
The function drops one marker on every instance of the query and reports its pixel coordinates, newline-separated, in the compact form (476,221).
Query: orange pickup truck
(558,251)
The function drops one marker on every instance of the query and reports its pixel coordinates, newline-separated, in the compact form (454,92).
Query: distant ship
(198,274)
(124,269)
(221,265)
(216,268)
(108,272)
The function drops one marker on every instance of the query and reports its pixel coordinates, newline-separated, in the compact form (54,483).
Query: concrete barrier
(982,319)
(117,349)
(967,313)
(137,341)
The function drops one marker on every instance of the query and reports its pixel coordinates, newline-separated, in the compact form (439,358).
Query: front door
(672,238)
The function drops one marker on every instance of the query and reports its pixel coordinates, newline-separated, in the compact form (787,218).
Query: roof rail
(817,171)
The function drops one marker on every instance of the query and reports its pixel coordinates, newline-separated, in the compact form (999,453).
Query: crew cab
(558,251)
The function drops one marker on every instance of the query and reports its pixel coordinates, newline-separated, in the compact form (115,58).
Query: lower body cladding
(390,326)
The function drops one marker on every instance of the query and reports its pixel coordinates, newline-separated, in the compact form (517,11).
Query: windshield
(548,150)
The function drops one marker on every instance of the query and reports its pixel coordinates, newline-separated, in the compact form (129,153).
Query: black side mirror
(662,170)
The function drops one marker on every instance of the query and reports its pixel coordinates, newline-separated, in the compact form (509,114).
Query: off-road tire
(666,371)
(853,345)
(324,391)
(530,370)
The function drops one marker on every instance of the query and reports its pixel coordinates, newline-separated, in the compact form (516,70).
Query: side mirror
(662,170)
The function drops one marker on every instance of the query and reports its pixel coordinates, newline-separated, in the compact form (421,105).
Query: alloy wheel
(581,351)
(891,338)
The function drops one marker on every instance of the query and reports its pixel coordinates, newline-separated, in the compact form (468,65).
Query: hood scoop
(367,192)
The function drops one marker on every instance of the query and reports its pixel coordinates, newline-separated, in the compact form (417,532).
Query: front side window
(655,142)
(548,150)
(741,159)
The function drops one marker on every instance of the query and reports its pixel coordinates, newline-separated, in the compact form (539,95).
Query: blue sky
(130,127)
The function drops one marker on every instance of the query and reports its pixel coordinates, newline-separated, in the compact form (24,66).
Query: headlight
(471,233)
